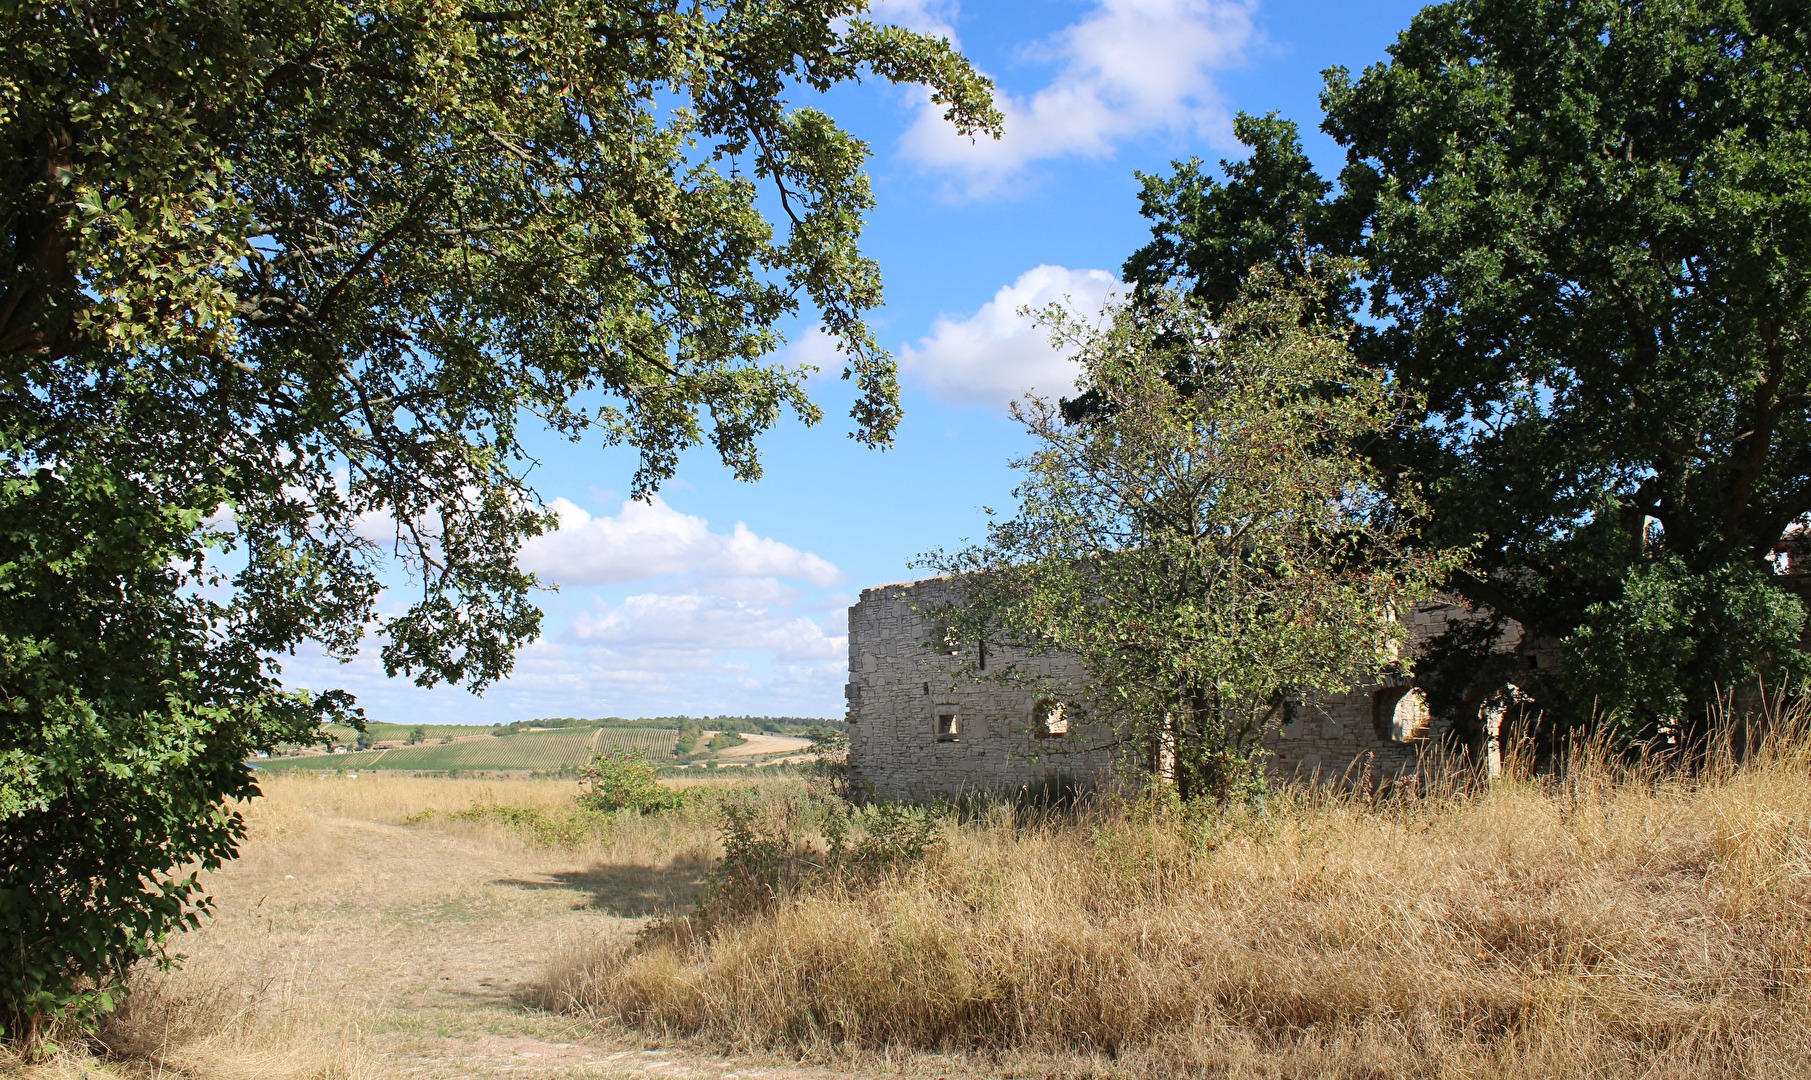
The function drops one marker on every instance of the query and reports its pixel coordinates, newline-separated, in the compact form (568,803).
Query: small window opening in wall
(948,641)
(981,655)
(949,727)
(1049,720)
(1399,714)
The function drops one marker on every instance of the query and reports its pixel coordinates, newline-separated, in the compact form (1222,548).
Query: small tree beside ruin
(1205,536)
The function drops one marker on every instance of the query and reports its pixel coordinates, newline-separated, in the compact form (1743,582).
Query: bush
(624,780)
(127,713)
(723,740)
(769,853)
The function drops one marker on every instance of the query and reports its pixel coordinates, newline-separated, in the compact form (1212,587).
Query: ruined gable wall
(900,681)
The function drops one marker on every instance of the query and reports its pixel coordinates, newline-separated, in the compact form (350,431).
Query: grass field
(350,944)
(1610,923)
(537,751)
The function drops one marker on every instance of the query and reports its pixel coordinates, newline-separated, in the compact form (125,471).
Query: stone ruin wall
(901,685)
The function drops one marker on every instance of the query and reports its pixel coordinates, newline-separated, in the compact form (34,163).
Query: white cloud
(1128,69)
(651,539)
(756,590)
(568,677)
(687,629)
(933,18)
(997,355)
(815,348)
(720,625)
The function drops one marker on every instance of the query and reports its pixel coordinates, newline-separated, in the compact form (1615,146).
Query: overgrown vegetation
(1610,920)
(624,780)
(776,851)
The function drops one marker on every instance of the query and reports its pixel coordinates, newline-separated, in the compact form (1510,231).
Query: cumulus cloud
(692,627)
(566,677)
(651,539)
(718,624)
(817,349)
(1128,69)
(997,355)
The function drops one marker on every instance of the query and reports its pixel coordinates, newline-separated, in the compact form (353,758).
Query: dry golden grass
(203,1021)
(686,836)
(1602,924)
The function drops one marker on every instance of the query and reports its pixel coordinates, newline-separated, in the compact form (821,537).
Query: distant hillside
(537,751)
(450,748)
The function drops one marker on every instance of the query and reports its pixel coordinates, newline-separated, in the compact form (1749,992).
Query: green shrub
(624,780)
(723,740)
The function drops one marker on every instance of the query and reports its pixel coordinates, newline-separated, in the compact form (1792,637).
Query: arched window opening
(1399,714)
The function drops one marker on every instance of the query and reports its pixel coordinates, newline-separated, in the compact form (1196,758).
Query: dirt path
(429,941)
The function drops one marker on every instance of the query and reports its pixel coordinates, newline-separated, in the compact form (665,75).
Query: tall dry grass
(686,835)
(204,1021)
(1608,922)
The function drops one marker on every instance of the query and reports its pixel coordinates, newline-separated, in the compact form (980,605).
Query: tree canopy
(1587,227)
(281,285)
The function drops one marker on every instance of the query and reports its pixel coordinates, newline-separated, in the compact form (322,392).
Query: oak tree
(273,272)
(1588,231)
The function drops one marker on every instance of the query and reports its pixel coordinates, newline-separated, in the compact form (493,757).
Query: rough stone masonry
(918,731)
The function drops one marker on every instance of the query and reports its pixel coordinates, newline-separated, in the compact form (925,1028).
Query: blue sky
(726,597)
